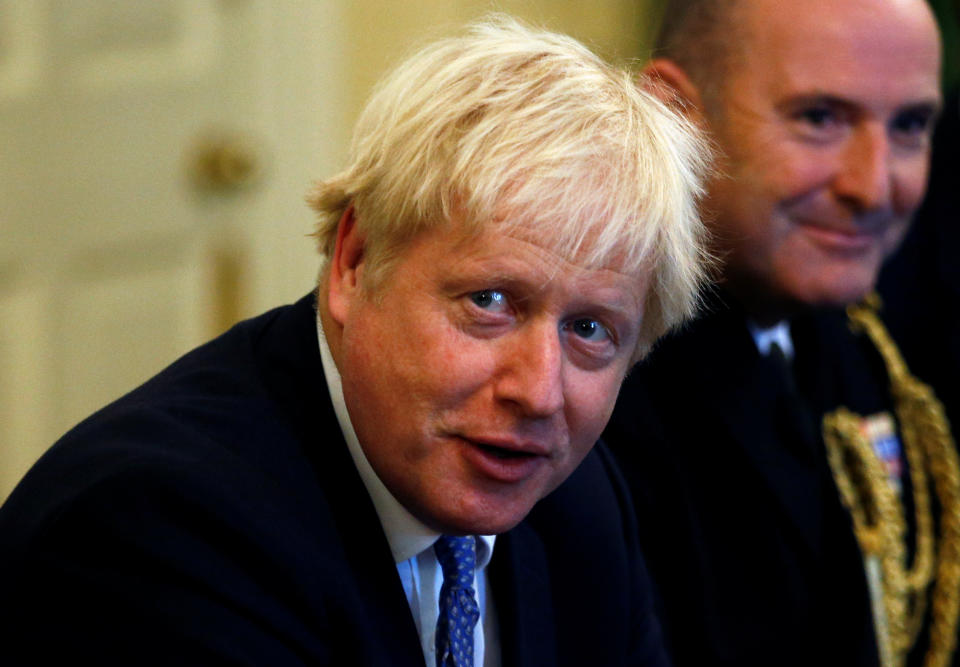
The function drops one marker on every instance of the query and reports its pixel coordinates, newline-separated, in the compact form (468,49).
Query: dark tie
(458,602)
(795,412)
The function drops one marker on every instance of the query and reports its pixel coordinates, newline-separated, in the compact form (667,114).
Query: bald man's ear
(346,266)
(671,85)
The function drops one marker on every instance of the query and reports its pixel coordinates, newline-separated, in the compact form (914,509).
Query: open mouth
(502,453)
(510,465)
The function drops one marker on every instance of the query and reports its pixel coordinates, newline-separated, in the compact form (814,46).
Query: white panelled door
(153,161)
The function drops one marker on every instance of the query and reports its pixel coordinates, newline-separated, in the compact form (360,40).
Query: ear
(671,85)
(346,266)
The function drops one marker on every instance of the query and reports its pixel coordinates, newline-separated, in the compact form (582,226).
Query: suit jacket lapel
(521,592)
(372,592)
(750,407)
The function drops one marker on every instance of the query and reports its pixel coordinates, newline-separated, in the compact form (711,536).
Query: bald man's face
(825,126)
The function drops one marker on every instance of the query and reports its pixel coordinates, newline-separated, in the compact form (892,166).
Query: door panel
(114,257)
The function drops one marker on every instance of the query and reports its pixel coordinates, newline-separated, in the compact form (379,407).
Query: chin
(835,284)
(475,525)
(480,520)
(494,523)
(835,295)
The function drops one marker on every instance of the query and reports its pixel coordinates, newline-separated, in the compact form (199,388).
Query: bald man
(786,517)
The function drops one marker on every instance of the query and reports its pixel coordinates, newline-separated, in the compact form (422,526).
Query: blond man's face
(482,371)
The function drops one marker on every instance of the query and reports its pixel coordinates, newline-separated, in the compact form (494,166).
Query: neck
(760,306)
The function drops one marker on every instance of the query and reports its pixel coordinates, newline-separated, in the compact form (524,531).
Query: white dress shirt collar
(779,333)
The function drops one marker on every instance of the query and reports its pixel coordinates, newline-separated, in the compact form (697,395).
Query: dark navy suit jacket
(921,283)
(214,516)
(746,539)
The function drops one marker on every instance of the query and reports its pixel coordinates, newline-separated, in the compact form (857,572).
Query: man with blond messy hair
(400,468)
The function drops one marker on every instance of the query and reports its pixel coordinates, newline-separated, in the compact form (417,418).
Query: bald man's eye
(913,127)
(820,121)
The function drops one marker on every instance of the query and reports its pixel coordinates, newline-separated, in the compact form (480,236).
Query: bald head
(709,38)
(699,35)
(822,112)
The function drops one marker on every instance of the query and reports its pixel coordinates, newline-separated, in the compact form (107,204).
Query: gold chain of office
(878,514)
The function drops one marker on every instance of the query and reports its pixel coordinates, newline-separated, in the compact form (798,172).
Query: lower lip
(841,241)
(501,469)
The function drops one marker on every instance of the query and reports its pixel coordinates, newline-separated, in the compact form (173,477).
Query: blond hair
(509,125)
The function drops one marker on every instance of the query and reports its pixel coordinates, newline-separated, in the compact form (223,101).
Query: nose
(865,177)
(530,377)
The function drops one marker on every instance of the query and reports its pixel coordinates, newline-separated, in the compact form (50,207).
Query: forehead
(516,254)
(875,52)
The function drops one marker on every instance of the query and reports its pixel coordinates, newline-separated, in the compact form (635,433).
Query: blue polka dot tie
(458,602)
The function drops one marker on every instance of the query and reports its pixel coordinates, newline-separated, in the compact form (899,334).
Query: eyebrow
(932,105)
(527,281)
(933,108)
(496,272)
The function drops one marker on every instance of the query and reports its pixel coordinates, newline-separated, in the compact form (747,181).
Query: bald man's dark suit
(747,542)
(921,283)
(214,516)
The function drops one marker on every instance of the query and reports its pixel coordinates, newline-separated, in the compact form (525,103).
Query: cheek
(745,201)
(590,401)
(447,369)
(765,164)
(416,344)
(894,237)
(790,175)
(909,187)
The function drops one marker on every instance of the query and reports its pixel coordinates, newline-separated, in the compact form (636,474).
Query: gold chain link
(877,512)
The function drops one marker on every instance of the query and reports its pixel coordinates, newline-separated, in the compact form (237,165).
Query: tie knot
(458,558)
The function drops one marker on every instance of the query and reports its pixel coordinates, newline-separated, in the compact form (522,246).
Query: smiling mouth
(843,239)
